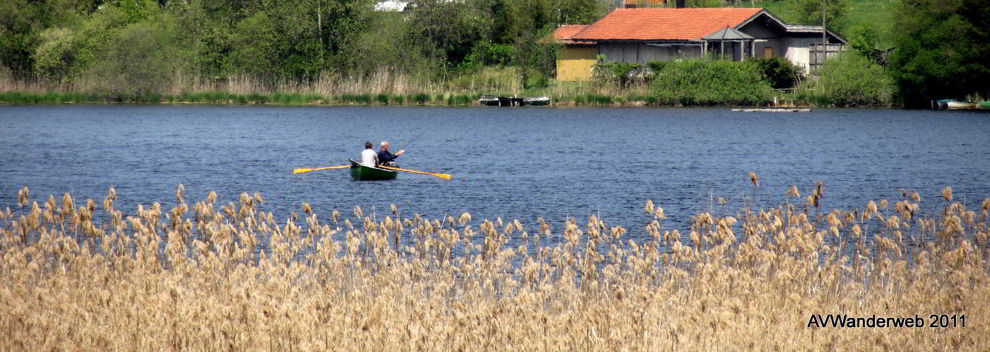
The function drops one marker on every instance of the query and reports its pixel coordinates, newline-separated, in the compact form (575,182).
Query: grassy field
(203,276)
(875,14)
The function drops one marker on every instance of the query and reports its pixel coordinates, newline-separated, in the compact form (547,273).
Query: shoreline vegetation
(209,276)
(852,81)
(435,52)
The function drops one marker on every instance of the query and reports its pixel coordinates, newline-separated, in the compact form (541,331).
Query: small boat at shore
(363,173)
(491,100)
(537,101)
(960,105)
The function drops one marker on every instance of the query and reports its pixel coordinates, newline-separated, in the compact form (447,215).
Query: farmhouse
(641,35)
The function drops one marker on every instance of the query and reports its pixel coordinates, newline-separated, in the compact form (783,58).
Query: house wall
(770,37)
(575,63)
(640,53)
(797,50)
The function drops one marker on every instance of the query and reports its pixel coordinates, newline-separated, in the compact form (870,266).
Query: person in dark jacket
(385,157)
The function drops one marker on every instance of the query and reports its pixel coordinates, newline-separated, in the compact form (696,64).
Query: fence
(818,54)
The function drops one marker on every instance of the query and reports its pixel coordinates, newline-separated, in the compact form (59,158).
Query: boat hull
(959,105)
(363,173)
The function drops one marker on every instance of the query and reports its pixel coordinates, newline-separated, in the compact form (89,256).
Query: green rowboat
(363,173)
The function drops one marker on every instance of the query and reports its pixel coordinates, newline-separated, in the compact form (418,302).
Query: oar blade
(304,170)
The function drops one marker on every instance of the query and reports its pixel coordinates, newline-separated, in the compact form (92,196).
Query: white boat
(960,105)
(538,101)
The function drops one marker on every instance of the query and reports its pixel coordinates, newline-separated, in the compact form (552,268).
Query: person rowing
(368,157)
(385,157)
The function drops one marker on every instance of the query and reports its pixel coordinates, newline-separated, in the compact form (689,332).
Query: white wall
(797,50)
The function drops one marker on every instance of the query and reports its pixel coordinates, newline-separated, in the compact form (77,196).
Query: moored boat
(488,100)
(941,104)
(537,101)
(959,105)
(363,173)
(983,105)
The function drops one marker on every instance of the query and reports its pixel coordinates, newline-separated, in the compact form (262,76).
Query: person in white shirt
(368,157)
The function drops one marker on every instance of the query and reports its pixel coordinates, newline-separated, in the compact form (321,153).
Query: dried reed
(209,276)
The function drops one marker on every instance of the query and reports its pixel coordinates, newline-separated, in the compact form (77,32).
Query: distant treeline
(145,50)
(143,46)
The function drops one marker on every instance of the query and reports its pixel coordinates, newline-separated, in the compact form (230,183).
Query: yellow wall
(575,63)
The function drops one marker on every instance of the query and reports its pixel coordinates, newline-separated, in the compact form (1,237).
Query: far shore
(369,99)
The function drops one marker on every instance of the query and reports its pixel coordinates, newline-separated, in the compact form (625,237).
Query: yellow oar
(443,176)
(302,170)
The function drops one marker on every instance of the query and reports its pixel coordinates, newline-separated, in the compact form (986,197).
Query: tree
(22,23)
(943,50)
(142,61)
(810,12)
(450,28)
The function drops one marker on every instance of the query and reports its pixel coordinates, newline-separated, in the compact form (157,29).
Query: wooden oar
(443,176)
(302,170)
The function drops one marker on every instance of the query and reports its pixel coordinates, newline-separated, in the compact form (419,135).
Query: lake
(514,163)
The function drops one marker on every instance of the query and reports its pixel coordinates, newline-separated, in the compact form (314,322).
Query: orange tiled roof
(664,24)
(564,33)
(568,30)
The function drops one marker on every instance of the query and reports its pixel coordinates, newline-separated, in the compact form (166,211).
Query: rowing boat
(363,173)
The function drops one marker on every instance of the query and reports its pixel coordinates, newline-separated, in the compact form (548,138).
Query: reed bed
(75,275)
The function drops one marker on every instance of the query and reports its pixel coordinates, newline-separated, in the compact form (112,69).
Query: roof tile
(663,23)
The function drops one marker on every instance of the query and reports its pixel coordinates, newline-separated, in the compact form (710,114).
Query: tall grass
(210,276)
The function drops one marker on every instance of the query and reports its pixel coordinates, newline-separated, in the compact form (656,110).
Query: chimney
(680,4)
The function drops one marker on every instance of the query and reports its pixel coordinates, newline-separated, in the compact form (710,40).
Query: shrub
(707,82)
(620,73)
(421,98)
(850,80)
(779,71)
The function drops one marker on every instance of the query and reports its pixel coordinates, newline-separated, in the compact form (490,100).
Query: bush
(850,80)
(621,73)
(707,82)
(779,71)
(421,98)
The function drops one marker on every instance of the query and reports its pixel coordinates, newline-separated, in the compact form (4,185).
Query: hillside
(874,14)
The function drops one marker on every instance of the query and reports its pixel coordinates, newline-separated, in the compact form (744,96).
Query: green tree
(65,52)
(392,48)
(254,46)
(143,61)
(22,23)
(536,54)
(810,12)
(943,50)
(450,28)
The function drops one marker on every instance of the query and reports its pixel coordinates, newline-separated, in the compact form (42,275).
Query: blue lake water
(518,163)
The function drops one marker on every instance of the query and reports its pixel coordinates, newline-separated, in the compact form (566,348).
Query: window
(768,52)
